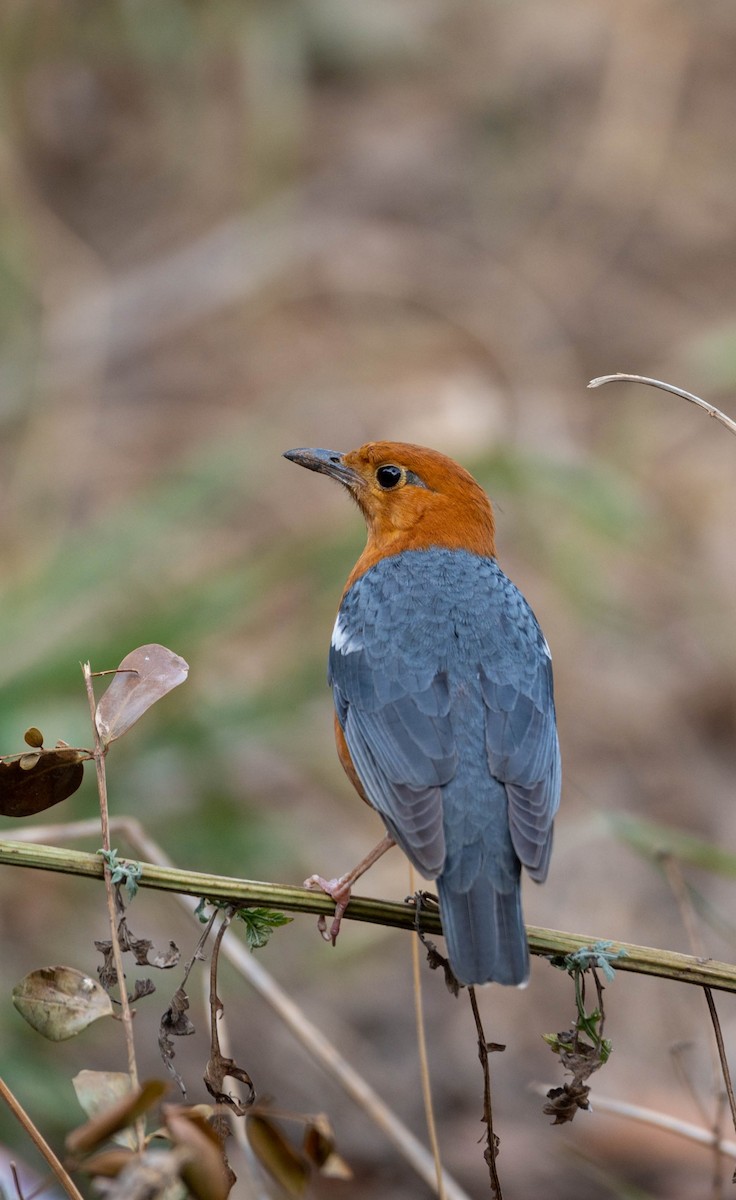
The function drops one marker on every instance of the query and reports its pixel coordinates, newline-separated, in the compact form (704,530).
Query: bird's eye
(389,476)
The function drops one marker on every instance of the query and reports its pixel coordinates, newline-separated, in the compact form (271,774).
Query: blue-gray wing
(428,648)
(521,732)
(395,717)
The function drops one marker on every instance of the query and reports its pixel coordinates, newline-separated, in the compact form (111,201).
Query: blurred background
(228,229)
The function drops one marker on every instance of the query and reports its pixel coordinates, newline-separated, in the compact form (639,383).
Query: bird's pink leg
(340,888)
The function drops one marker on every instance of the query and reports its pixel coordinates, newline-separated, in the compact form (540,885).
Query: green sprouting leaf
(260,924)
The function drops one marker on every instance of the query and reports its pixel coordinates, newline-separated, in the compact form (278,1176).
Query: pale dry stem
(125,1009)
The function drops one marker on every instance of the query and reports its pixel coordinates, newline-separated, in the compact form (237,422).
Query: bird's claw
(340,893)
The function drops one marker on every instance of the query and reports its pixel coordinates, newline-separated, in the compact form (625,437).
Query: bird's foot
(339,889)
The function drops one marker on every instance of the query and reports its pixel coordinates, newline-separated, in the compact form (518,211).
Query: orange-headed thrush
(444,708)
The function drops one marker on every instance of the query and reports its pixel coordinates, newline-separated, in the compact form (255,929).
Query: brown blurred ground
(231,229)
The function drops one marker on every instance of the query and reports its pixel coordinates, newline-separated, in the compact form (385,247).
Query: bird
(444,702)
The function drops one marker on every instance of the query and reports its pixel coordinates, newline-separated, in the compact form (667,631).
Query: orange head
(411,497)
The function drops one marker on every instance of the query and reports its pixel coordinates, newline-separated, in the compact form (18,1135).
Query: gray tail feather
(484,930)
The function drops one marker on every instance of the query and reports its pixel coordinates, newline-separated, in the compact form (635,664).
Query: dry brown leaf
(275,1153)
(38,780)
(118,1115)
(144,676)
(60,1002)
(205,1173)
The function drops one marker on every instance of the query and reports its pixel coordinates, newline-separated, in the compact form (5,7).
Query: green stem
(643,960)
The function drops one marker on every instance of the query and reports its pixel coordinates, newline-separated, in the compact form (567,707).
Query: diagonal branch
(57,1168)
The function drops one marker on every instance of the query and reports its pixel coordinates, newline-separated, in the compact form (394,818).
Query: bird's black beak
(327,462)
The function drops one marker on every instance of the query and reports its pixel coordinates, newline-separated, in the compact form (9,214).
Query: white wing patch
(343,640)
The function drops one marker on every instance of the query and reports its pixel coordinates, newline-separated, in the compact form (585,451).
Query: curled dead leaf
(566,1101)
(174,1023)
(219,1068)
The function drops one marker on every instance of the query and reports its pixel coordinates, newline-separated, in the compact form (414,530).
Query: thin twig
(215,1002)
(16,1182)
(114,671)
(125,1010)
(197,953)
(491,1151)
(619,377)
(40,1142)
(642,960)
(423,1057)
(721,1053)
